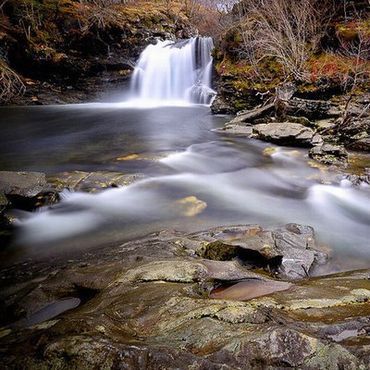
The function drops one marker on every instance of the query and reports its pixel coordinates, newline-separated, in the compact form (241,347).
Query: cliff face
(68,50)
(323,49)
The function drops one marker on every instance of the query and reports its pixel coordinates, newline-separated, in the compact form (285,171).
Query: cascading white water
(171,73)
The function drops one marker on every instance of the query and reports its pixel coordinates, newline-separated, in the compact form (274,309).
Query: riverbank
(72,51)
(328,127)
(179,301)
(220,297)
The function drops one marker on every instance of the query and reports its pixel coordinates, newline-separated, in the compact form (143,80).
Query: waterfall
(174,73)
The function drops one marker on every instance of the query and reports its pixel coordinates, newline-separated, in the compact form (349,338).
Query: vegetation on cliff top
(320,45)
(316,44)
(50,40)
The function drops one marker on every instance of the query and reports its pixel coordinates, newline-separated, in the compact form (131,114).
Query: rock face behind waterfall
(81,49)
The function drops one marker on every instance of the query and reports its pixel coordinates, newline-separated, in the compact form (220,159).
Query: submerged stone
(48,312)
(249,289)
(191,206)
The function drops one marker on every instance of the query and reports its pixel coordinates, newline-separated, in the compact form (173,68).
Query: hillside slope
(68,50)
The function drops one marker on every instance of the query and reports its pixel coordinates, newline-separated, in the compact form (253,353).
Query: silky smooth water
(234,181)
(174,73)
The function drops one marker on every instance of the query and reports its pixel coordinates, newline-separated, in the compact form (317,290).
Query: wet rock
(333,356)
(187,272)
(361,144)
(26,190)
(284,133)
(354,296)
(175,271)
(289,347)
(289,252)
(347,330)
(242,130)
(220,106)
(91,181)
(79,352)
(329,154)
(48,312)
(249,289)
(357,180)
(3,202)
(220,251)
(6,227)
(191,206)
(22,184)
(284,346)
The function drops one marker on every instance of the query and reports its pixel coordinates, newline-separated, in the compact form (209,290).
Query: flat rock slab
(250,116)
(284,133)
(23,184)
(91,181)
(242,130)
(189,272)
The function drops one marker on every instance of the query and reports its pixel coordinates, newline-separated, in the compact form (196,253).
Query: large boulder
(289,252)
(221,106)
(22,184)
(26,190)
(284,133)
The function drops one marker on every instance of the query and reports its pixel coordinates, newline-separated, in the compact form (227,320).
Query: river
(194,178)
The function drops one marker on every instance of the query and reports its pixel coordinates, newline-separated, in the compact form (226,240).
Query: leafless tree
(359,52)
(286,30)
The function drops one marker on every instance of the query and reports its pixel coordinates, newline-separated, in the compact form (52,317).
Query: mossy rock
(219,251)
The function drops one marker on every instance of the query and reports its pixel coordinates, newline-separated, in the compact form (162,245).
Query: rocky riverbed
(229,297)
(328,127)
(240,296)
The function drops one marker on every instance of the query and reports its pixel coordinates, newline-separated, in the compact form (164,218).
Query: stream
(194,178)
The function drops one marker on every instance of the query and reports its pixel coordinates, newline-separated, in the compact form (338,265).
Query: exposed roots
(11,84)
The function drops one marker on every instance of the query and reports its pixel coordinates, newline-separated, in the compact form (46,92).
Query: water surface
(195,178)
